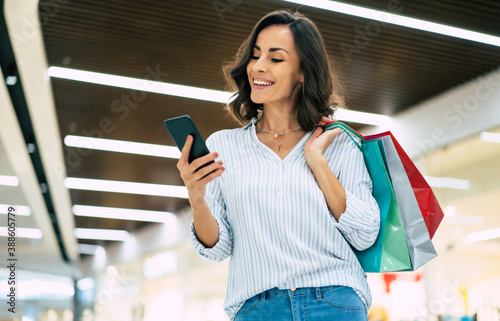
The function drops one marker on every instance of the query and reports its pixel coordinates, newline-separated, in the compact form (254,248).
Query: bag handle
(342,124)
(348,130)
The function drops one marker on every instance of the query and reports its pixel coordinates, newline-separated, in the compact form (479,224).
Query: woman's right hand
(193,178)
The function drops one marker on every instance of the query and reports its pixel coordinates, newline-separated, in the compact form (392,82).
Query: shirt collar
(251,122)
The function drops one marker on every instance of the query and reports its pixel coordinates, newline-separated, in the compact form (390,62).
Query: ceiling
(186,42)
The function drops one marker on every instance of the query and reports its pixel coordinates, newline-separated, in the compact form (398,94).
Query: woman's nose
(259,66)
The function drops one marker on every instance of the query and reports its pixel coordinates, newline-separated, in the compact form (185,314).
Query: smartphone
(182,126)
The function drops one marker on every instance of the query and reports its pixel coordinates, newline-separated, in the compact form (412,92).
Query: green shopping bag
(390,251)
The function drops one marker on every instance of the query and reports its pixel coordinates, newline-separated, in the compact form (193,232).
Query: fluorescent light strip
(9,180)
(385,16)
(126,187)
(122,146)
(184,91)
(29,233)
(101,234)
(124,214)
(89,249)
(448,182)
(362,117)
(490,137)
(467,220)
(20,210)
(482,236)
(141,84)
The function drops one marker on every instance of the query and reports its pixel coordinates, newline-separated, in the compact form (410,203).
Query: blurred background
(102,216)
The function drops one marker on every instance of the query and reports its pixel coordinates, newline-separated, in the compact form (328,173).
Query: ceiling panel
(186,42)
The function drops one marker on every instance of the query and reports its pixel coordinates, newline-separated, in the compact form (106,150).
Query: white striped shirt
(274,221)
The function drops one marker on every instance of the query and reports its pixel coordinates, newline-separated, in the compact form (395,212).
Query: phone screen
(182,126)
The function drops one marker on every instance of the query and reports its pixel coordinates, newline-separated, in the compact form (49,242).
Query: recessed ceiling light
(101,234)
(11,80)
(124,214)
(126,187)
(388,17)
(29,233)
(9,180)
(85,284)
(450,211)
(122,146)
(184,91)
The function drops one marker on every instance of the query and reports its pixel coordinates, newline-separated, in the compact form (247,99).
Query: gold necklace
(279,144)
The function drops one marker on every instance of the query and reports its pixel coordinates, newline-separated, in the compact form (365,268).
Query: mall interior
(94,216)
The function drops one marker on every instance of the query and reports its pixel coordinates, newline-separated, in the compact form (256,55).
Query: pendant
(279,147)
(275,134)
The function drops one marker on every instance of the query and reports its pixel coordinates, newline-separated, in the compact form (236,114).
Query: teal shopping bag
(390,252)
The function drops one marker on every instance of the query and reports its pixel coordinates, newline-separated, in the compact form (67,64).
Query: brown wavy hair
(323,91)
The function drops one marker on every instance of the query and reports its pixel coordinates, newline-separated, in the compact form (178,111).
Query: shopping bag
(389,252)
(417,236)
(429,206)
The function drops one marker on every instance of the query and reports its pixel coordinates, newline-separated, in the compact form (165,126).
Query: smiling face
(274,70)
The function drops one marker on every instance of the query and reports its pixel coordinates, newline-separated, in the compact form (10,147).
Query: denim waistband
(298,291)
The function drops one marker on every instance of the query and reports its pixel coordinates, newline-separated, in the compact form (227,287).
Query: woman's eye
(275,60)
(255,57)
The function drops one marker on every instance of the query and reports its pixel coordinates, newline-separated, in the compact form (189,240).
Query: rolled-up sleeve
(215,200)
(360,223)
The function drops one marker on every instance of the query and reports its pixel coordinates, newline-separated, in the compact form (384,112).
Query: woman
(285,200)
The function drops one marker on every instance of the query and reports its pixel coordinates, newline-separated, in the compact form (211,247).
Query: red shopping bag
(429,206)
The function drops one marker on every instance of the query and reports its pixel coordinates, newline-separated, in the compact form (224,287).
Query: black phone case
(182,126)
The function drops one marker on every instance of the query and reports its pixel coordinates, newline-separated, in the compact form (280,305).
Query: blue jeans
(339,303)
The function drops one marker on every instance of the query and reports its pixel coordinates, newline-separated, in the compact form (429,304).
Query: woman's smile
(262,83)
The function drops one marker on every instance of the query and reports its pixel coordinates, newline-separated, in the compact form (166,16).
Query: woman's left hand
(316,145)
